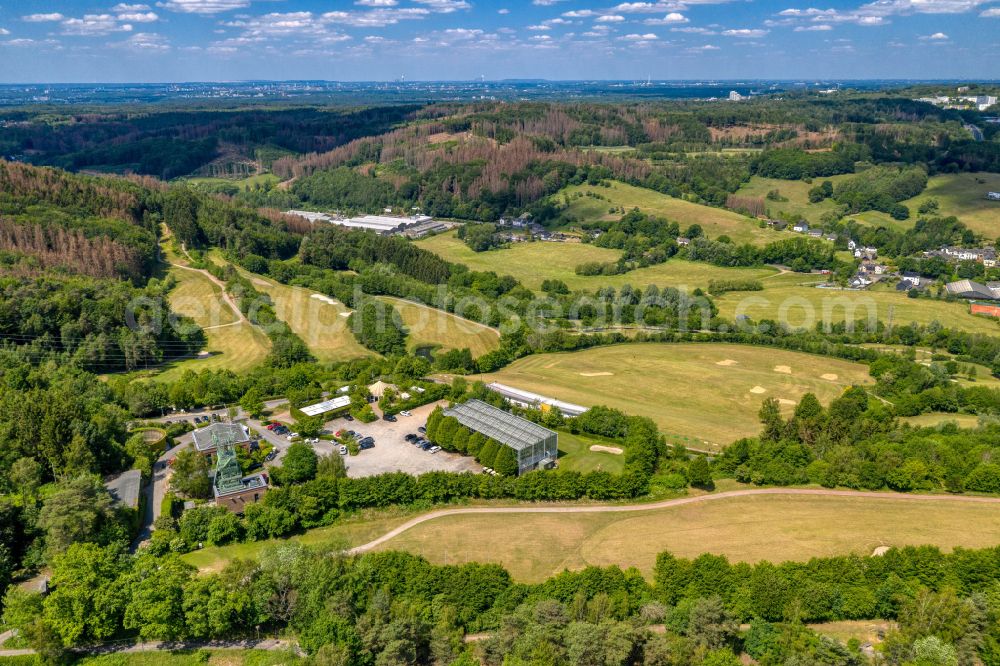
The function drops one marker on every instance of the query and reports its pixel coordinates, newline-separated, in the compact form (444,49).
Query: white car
(434,449)
(292,436)
(405,413)
(343,450)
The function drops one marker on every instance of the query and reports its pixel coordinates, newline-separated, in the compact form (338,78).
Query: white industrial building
(385,225)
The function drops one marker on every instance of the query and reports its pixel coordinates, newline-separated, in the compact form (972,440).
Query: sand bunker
(727,362)
(786,401)
(345,314)
(596,374)
(758,389)
(829,377)
(606,449)
(881,550)
(323,298)
(783,369)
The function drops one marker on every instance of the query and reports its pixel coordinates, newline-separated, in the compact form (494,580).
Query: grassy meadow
(532,263)
(794,299)
(747,529)
(714,221)
(703,395)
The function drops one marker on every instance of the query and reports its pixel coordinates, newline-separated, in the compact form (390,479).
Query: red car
(272,426)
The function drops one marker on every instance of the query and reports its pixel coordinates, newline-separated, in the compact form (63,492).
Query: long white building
(385,225)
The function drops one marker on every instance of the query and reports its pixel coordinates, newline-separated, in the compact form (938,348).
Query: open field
(242,183)
(575,455)
(714,221)
(938,418)
(430,327)
(797,193)
(320,321)
(708,395)
(791,298)
(532,263)
(751,528)
(234,344)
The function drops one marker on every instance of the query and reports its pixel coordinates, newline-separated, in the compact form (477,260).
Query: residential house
(912,278)
(682,241)
(801,227)
(993,196)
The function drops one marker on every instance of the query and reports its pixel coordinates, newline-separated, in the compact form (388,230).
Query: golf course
(706,395)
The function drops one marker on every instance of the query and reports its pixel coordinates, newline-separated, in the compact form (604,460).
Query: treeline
(881,188)
(397,608)
(798,164)
(378,326)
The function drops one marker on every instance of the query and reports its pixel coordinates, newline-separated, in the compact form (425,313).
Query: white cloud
(745,32)
(937,37)
(580,13)
(125,7)
(444,6)
(993,12)
(4,31)
(94,24)
(148,42)
(545,3)
(139,17)
(376,18)
(43,18)
(648,37)
(537,28)
(669,19)
(706,47)
(376,3)
(503,11)
(819,27)
(203,6)
(610,18)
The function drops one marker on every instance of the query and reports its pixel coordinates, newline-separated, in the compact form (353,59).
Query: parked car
(343,450)
(410,437)
(405,413)
(314,440)
(389,417)
(367,443)
(422,429)
(351,433)
(426,446)
(339,433)
(435,449)
(348,417)
(272,426)
(271,456)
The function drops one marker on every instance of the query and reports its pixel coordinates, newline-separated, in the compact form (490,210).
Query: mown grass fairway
(532,263)
(795,300)
(575,455)
(714,221)
(430,327)
(777,528)
(234,344)
(707,394)
(319,320)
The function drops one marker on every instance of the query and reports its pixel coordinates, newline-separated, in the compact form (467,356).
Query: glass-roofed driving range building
(536,447)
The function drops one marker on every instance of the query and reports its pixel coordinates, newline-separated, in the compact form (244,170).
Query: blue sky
(212,40)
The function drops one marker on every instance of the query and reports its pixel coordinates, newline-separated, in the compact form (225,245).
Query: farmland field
(532,263)
(714,221)
(704,395)
(748,529)
(430,327)
(939,418)
(792,298)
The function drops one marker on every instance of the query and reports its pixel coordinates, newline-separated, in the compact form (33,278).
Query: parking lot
(392,453)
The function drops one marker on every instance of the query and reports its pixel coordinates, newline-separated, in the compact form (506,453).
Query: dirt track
(625,508)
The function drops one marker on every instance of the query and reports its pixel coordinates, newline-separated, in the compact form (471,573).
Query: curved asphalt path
(627,508)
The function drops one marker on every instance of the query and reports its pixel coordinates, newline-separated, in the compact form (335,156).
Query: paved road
(977,133)
(625,508)
(270,644)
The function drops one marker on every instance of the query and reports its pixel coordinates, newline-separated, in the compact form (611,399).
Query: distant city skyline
(85,41)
